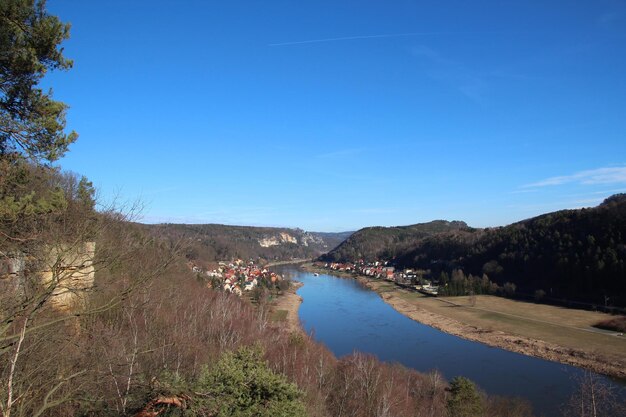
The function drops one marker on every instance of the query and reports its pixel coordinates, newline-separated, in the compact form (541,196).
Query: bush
(539,295)
(242,385)
(464,400)
(617,324)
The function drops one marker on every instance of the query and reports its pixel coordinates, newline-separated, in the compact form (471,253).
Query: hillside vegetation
(146,337)
(214,242)
(577,255)
(375,243)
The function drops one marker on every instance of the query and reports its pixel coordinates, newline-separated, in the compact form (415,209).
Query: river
(346,316)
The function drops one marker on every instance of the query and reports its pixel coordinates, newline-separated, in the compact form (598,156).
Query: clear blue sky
(335,115)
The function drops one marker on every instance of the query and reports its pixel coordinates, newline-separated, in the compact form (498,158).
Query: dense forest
(375,243)
(215,242)
(578,255)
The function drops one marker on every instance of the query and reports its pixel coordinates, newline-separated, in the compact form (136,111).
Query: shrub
(242,385)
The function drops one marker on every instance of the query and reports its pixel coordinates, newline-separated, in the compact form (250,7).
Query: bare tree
(70,269)
(593,398)
(472,298)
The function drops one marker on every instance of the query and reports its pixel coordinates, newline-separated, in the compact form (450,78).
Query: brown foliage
(508,407)
(617,324)
(160,328)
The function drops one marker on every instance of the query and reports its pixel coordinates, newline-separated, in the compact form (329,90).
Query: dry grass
(565,327)
(548,332)
(279,315)
(285,308)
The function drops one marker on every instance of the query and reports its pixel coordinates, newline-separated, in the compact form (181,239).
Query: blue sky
(335,115)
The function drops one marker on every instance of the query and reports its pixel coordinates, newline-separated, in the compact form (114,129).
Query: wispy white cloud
(428,53)
(359,37)
(474,81)
(524,191)
(607,175)
(604,193)
(341,153)
(556,205)
(377,36)
(612,17)
(471,83)
(244,215)
(374,210)
(160,191)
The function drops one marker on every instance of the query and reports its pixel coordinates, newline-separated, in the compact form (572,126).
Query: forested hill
(374,243)
(569,254)
(213,242)
(573,254)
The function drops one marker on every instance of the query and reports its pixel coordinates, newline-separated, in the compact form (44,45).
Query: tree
(472,299)
(32,124)
(48,242)
(592,398)
(60,284)
(465,400)
(539,295)
(242,385)
(509,289)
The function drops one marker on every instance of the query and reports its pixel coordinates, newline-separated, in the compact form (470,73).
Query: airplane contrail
(349,38)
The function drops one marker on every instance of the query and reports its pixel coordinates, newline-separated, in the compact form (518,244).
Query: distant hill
(374,243)
(333,239)
(214,242)
(570,254)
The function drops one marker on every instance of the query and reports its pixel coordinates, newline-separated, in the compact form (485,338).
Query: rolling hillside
(569,254)
(213,242)
(374,243)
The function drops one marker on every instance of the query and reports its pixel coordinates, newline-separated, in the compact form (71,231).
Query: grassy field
(279,315)
(549,332)
(565,327)
(284,308)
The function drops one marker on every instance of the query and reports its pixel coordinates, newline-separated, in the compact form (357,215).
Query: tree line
(568,255)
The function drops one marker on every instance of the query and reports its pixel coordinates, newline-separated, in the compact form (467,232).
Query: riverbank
(547,332)
(291,262)
(285,307)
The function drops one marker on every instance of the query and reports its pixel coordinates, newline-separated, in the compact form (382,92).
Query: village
(408,278)
(238,276)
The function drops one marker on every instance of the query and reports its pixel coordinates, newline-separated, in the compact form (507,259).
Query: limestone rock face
(287,238)
(279,239)
(70,270)
(308,238)
(10,266)
(266,242)
(67,270)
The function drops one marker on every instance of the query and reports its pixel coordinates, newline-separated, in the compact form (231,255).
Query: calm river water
(346,316)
